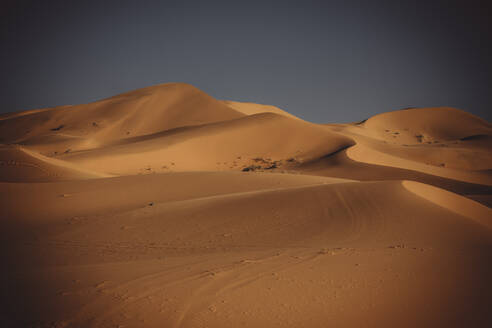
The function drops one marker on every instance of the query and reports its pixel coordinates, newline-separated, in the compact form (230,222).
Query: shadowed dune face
(164,207)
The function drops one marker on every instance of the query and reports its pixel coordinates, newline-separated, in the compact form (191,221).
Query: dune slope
(323,250)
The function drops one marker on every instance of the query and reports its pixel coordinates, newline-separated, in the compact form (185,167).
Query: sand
(164,207)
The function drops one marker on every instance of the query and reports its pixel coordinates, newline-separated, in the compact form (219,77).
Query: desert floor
(164,207)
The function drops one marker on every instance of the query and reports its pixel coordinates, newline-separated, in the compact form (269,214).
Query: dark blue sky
(325,61)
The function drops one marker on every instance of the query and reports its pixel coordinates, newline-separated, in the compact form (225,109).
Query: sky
(324,61)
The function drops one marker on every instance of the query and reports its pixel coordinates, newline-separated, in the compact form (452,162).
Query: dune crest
(456,203)
(252,108)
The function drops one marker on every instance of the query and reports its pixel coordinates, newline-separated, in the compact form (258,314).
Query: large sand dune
(163,207)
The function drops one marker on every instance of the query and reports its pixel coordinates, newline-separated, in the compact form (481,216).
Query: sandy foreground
(164,207)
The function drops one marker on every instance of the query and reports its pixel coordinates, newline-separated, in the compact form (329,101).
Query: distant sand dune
(421,125)
(139,112)
(252,108)
(230,145)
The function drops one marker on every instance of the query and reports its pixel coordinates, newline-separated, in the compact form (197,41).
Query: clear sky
(325,61)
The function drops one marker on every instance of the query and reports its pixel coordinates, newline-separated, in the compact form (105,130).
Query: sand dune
(426,125)
(163,207)
(263,138)
(140,112)
(373,155)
